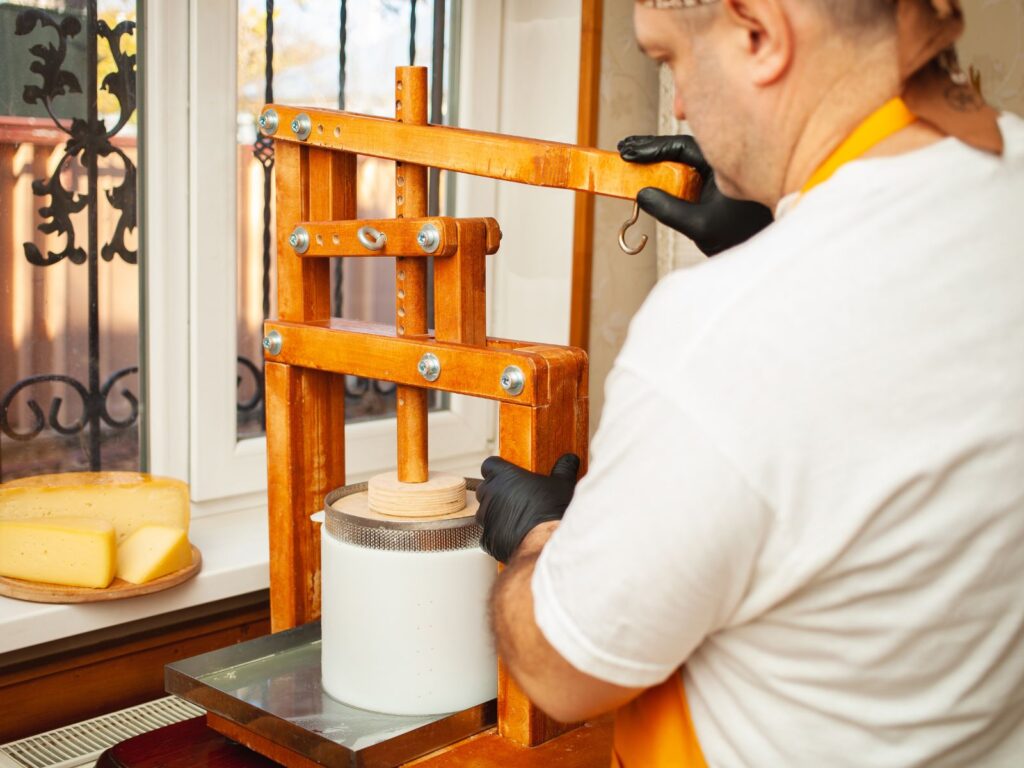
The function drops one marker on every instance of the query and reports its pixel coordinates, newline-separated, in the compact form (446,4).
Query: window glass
(69,280)
(331,55)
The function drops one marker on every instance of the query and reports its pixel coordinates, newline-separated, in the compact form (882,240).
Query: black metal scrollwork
(90,403)
(89,139)
(256,400)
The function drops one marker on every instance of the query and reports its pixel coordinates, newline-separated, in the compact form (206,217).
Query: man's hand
(513,501)
(715,222)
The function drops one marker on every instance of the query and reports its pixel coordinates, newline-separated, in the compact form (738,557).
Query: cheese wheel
(151,552)
(128,500)
(76,552)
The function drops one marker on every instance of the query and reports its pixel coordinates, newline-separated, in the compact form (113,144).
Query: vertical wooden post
(460,288)
(305,408)
(534,438)
(411,98)
(592,14)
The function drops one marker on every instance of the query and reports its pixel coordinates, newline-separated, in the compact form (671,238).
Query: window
(69,280)
(144,360)
(227,454)
(333,55)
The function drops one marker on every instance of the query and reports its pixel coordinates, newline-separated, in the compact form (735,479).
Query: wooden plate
(40,592)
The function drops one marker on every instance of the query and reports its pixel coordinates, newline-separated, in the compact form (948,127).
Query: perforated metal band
(400,534)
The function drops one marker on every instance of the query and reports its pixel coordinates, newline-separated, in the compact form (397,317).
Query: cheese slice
(128,500)
(76,552)
(152,552)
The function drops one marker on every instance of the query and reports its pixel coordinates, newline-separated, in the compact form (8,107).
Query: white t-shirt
(808,481)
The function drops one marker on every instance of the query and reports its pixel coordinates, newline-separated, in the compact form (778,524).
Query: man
(799,542)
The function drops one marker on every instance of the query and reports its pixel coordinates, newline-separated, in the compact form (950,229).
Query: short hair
(858,14)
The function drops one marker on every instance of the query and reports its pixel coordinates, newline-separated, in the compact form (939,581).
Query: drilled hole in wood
(401,330)
(398,106)
(320,128)
(319,239)
(401,312)
(401,199)
(335,239)
(401,274)
(400,181)
(337,131)
(398,85)
(401,294)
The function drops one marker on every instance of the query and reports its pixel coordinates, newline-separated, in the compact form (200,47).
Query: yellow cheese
(128,500)
(73,551)
(152,552)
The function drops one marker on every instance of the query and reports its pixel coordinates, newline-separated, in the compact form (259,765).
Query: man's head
(751,76)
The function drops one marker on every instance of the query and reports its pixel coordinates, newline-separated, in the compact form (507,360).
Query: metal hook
(622,232)
(372,239)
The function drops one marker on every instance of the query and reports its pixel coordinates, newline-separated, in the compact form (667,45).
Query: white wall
(520,76)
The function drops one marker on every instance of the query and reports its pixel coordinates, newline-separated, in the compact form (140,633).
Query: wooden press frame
(315,188)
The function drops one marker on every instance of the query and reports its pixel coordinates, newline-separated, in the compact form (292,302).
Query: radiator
(82,743)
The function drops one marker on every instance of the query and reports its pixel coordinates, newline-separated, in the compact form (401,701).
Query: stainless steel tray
(271,686)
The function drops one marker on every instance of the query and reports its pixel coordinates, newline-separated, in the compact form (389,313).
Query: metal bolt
(428,238)
(273,342)
(302,126)
(512,380)
(269,122)
(299,240)
(429,367)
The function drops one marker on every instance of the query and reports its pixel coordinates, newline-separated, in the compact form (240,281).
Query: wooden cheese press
(541,389)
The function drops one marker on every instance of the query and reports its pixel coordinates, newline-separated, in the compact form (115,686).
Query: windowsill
(235,561)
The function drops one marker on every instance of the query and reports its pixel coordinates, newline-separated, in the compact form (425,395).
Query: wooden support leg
(534,438)
(305,408)
(411,279)
(306,460)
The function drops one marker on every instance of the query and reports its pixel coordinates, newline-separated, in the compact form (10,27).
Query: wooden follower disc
(41,592)
(439,496)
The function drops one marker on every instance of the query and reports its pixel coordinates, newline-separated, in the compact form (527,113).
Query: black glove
(715,222)
(513,501)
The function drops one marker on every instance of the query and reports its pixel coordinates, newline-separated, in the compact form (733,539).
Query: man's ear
(763,31)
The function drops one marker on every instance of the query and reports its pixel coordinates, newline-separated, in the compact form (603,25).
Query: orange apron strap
(891,118)
(655,730)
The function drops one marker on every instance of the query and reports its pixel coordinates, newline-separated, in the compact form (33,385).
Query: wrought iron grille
(88,139)
(91,413)
(365,398)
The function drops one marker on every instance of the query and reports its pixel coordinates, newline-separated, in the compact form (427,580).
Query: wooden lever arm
(493,155)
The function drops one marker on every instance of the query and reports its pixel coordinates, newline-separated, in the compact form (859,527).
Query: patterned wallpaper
(994,45)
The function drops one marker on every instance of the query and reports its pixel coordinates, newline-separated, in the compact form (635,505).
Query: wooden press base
(191,744)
